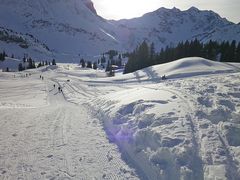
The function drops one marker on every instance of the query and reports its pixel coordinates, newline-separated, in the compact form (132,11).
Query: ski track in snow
(58,141)
(101,128)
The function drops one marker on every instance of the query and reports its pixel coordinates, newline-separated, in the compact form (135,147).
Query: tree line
(144,55)
(114,61)
(32,65)
(2,56)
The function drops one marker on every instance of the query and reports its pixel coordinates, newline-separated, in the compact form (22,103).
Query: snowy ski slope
(134,126)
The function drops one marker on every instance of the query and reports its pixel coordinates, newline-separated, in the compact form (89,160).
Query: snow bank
(180,129)
(186,67)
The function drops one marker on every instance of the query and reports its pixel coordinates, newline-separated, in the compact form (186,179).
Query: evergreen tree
(152,51)
(54,62)
(103,59)
(237,57)
(119,61)
(232,51)
(39,65)
(108,67)
(82,63)
(95,65)
(2,56)
(20,67)
(33,64)
(30,63)
(224,51)
(112,53)
(89,64)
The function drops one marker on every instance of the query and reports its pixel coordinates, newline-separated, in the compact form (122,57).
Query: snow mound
(192,66)
(179,129)
(182,68)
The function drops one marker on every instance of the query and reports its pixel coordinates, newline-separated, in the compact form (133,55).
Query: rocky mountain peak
(89,4)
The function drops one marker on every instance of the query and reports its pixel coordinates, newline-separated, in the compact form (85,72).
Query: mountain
(70,29)
(170,26)
(67,27)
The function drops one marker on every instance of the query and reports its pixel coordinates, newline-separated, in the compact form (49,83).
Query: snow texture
(69,30)
(134,126)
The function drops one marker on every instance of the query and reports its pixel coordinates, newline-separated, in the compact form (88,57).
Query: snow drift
(179,128)
(182,68)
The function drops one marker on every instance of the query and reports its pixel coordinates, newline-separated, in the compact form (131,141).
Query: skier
(164,77)
(59,89)
(54,86)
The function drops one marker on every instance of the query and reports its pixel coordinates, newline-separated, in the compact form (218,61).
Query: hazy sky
(118,9)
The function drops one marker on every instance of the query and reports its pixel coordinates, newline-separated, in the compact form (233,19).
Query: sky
(120,9)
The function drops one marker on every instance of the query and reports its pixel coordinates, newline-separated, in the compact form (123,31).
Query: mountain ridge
(73,29)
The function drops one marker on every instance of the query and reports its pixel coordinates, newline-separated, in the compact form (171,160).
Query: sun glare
(119,9)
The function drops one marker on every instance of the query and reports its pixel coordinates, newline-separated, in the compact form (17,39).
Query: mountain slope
(72,28)
(170,26)
(68,27)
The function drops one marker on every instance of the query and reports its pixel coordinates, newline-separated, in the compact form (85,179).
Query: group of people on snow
(59,88)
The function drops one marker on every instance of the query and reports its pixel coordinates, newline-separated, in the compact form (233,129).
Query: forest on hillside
(144,55)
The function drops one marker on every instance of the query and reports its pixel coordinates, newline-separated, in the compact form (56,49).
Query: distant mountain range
(70,29)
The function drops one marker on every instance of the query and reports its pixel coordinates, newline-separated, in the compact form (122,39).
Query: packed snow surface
(134,126)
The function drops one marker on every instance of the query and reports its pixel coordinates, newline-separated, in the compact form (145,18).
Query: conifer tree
(232,51)
(82,63)
(237,57)
(53,62)
(95,65)
(89,64)
(20,67)
(108,67)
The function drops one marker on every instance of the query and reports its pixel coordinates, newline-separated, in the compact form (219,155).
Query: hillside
(68,30)
(166,27)
(182,68)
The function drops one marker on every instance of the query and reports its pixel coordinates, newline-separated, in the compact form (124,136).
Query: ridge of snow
(181,68)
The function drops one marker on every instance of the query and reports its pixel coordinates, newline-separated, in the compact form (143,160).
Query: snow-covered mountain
(170,26)
(72,28)
(68,27)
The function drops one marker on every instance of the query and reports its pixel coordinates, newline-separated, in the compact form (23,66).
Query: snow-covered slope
(10,63)
(186,67)
(69,28)
(18,44)
(184,128)
(72,28)
(179,128)
(170,26)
